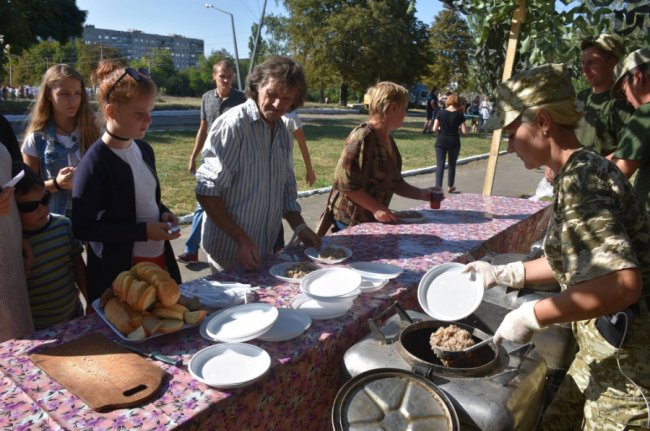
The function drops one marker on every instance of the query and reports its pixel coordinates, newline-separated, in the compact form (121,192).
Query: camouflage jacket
(598,224)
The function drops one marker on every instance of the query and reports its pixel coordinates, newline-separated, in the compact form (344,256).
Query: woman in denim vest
(62,126)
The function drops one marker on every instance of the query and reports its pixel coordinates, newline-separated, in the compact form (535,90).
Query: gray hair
(284,70)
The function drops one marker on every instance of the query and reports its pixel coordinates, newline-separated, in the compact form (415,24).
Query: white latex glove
(511,274)
(519,325)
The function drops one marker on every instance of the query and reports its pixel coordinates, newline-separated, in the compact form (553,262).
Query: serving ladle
(445,354)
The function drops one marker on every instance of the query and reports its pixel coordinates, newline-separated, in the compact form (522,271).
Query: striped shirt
(53,296)
(247,166)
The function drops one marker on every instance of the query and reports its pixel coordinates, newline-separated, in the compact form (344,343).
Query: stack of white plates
(229,365)
(240,323)
(375,275)
(328,293)
(446,293)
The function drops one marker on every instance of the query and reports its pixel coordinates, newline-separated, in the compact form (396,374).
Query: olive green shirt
(598,225)
(604,120)
(635,145)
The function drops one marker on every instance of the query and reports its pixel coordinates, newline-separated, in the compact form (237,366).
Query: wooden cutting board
(103,374)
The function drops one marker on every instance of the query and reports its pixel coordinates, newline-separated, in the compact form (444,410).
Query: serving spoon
(443,354)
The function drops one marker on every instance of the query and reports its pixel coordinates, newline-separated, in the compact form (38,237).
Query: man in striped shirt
(58,272)
(246,183)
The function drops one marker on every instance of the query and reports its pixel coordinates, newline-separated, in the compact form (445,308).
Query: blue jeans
(194,240)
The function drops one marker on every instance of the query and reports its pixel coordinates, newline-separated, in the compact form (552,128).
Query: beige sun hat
(632,61)
(611,43)
(534,87)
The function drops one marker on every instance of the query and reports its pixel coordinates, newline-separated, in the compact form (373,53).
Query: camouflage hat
(629,63)
(611,43)
(534,87)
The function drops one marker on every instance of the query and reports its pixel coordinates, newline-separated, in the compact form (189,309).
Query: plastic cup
(436,198)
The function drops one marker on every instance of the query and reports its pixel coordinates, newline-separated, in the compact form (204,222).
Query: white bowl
(314,254)
(229,365)
(319,310)
(241,323)
(331,284)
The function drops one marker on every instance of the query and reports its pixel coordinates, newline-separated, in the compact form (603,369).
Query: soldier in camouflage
(633,151)
(597,247)
(604,116)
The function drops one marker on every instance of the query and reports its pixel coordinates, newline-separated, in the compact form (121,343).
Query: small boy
(57,262)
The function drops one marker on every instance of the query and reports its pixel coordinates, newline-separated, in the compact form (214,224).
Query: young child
(58,272)
(116,203)
(61,128)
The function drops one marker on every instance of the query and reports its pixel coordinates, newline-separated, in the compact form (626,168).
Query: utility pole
(234,38)
(8,51)
(257,39)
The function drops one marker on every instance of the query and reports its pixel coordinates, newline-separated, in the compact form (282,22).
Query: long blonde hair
(41,113)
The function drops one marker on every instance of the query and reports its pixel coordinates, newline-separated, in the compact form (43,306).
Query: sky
(190,18)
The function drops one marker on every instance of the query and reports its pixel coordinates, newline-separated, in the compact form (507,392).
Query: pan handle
(506,376)
(376,331)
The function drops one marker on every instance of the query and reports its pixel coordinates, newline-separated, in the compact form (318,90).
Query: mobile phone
(12,182)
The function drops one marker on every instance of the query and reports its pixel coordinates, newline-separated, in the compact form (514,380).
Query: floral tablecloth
(298,391)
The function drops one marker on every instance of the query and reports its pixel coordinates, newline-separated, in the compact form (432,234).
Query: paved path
(511,179)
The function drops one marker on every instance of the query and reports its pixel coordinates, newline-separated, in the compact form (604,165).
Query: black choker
(119,138)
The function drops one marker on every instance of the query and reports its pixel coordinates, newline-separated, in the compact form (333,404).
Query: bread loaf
(117,313)
(144,301)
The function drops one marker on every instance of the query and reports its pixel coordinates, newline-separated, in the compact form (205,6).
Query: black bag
(326,220)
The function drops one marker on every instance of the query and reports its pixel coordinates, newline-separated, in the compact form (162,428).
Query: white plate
(447,294)
(314,254)
(229,365)
(278,271)
(102,315)
(376,270)
(241,323)
(331,283)
(290,324)
(371,285)
(320,310)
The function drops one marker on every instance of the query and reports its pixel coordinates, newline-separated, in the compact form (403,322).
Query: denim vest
(53,157)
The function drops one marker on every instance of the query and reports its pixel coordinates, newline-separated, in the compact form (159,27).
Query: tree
(450,44)
(355,43)
(277,39)
(549,34)
(24,22)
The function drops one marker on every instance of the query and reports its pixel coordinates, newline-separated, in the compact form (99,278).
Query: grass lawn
(325,138)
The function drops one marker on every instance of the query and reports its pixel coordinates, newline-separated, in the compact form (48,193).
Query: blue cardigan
(103,211)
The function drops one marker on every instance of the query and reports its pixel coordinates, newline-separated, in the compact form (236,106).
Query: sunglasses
(28,207)
(137,75)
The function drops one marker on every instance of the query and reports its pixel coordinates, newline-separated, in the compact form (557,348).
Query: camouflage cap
(611,43)
(534,87)
(632,61)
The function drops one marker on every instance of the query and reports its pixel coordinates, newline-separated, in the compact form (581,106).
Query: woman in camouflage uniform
(597,247)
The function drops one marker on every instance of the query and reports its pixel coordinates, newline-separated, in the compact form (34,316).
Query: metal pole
(234,38)
(257,39)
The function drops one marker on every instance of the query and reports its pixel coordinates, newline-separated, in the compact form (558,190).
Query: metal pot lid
(390,398)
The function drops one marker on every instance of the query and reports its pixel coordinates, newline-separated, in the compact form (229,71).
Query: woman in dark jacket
(116,193)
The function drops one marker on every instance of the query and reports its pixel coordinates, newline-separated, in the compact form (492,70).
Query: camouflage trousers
(594,395)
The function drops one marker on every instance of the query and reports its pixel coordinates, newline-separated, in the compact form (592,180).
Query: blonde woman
(369,170)
(61,128)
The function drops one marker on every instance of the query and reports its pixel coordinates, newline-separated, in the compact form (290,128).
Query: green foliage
(450,44)
(356,43)
(24,22)
(549,33)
